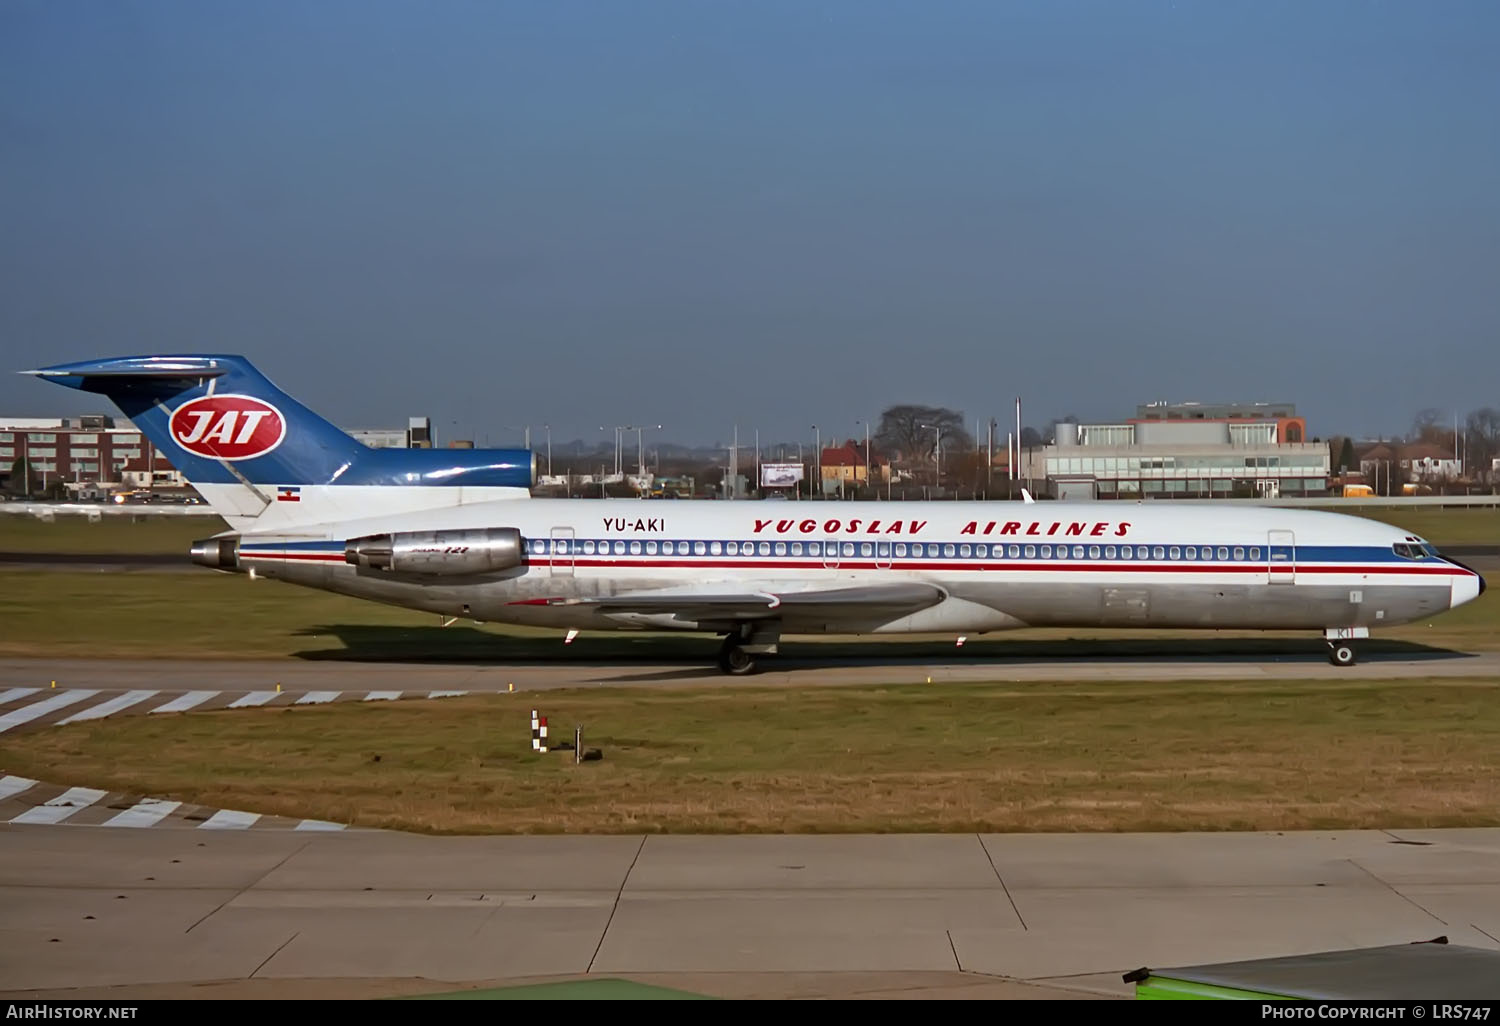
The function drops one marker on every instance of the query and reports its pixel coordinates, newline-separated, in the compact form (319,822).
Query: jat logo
(227,427)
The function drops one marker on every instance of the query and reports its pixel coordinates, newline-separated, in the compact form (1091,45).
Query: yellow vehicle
(1355,491)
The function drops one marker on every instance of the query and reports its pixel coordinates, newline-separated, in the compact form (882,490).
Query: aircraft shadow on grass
(463,644)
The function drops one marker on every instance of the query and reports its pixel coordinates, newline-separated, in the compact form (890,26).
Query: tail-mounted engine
(440,553)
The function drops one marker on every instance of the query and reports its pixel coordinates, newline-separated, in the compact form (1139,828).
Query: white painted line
(114,705)
(182,703)
(11,694)
(226,819)
(318,824)
(382,696)
(253,698)
(445,694)
(27,713)
(317,697)
(11,786)
(144,813)
(61,807)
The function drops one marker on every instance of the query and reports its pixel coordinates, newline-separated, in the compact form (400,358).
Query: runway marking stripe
(445,694)
(60,808)
(318,824)
(228,819)
(184,702)
(114,705)
(144,813)
(11,694)
(317,697)
(12,786)
(382,696)
(253,698)
(16,717)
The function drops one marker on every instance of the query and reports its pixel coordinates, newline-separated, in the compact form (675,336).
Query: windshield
(1416,548)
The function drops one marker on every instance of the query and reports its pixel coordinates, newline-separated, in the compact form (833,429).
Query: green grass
(1075,756)
(113,533)
(207,615)
(1478,526)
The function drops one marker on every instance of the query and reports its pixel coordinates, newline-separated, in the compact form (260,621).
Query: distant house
(844,465)
(1430,463)
(1418,462)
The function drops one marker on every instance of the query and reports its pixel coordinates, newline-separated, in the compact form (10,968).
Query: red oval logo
(227,427)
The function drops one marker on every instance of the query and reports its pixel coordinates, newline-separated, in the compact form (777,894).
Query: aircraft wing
(855,604)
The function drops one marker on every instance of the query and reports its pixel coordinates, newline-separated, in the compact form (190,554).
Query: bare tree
(1482,438)
(1429,426)
(913,431)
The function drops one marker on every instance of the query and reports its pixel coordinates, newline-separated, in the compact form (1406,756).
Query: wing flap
(866,602)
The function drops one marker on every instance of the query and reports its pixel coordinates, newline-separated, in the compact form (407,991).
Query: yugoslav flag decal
(227,427)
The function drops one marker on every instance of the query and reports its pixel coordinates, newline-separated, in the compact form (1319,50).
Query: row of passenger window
(889,550)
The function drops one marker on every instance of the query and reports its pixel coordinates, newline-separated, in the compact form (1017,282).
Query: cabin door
(564,547)
(1281,557)
(831,553)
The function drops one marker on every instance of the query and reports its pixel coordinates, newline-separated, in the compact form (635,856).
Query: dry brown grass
(1087,756)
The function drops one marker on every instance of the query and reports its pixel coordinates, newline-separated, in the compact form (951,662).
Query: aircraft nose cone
(1466,589)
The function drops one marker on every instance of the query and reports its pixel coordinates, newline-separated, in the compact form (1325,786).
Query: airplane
(456,532)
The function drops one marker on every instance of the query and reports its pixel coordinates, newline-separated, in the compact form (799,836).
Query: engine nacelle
(441,553)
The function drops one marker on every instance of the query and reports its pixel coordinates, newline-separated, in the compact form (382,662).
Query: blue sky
(704,214)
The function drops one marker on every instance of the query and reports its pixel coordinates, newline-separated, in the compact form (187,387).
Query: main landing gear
(742,647)
(734,660)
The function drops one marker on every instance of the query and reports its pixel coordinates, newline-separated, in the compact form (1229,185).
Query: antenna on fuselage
(1026,496)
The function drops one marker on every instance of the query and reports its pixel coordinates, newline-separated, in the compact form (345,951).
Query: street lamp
(866,423)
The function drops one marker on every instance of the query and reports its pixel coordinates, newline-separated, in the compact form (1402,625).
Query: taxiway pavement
(336,674)
(93,911)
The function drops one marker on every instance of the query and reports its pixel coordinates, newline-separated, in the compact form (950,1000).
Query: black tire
(1341,655)
(735,661)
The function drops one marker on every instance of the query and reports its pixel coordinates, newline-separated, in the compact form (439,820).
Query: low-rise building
(844,466)
(76,451)
(1186,450)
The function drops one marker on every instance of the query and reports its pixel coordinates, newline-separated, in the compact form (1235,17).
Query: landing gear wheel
(734,660)
(1341,654)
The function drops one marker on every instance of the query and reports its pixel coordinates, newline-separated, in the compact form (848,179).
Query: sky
(760,214)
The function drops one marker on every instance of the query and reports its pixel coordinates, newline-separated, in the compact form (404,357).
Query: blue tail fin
(247,445)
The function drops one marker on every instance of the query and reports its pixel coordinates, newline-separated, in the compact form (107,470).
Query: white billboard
(780,475)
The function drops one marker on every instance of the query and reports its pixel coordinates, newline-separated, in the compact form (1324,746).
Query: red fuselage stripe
(972,565)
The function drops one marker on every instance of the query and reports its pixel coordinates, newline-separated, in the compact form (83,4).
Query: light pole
(938,450)
(817,460)
(549,448)
(869,481)
(640,447)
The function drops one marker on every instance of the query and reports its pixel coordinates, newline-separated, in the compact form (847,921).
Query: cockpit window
(1409,551)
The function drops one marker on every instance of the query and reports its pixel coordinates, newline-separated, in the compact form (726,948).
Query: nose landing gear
(1341,650)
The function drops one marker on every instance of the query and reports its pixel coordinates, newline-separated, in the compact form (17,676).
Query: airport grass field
(1074,756)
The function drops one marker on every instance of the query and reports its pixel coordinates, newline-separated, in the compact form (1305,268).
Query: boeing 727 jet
(456,532)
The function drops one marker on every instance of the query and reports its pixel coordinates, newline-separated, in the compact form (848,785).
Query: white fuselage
(999,564)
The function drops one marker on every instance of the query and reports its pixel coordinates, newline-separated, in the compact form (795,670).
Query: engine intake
(440,553)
